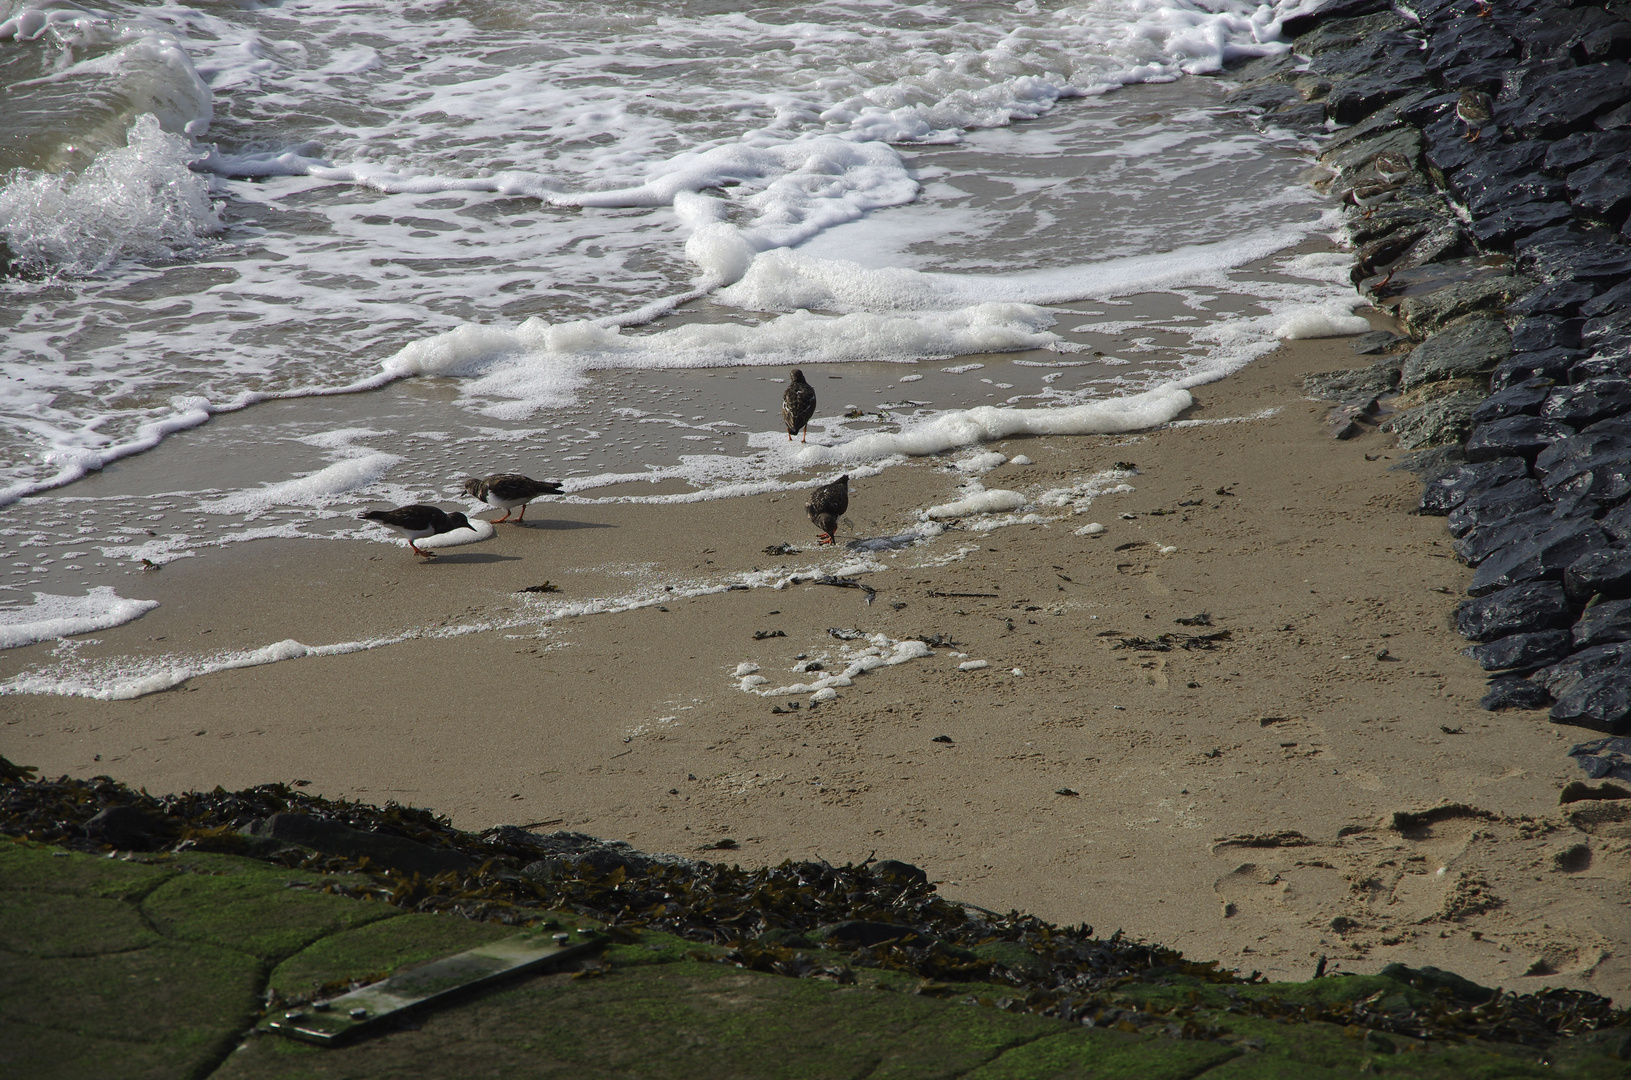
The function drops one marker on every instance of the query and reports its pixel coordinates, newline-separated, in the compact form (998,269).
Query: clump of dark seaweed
(806,919)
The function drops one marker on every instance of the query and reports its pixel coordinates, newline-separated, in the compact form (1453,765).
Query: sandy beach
(1234,799)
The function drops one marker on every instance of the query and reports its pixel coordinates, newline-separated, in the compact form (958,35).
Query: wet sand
(1233,802)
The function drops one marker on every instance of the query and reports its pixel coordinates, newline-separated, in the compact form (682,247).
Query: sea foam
(52,616)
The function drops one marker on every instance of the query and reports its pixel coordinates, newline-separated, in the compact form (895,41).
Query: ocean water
(271,263)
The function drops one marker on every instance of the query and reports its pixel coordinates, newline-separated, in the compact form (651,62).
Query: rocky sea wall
(1502,245)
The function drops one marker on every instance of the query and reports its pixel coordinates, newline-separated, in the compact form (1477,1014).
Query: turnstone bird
(798,405)
(508,490)
(419,521)
(827,504)
(1369,196)
(1475,109)
(1392,167)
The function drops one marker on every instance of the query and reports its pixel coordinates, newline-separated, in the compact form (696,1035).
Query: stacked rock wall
(1507,261)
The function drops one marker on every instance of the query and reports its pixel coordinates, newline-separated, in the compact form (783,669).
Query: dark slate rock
(1553,298)
(1471,346)
(1585,147)
(1485,194)
(1568,100)
(1600,366)
(1601,704)
(1489,537)
(1617,523)
(1452,487)
(1588,402)
(1610,41)
(1496,504)
(1605,572)
(1520,399)
(1445,419)
(382,849)
(1388,118)
(1265,67)
(1522,650)
(1602,758)
(1514,692)
(1614,119)
(1351,100)
(1425,312)
(1538,558)
(1606,332)
(1613,300)
(1466,41)
(1603,624)
(1599,483)
(1268,96)
(126,827)
(1601,190)
(1544,332)
(1507,222)
(567,853)
(1493,163)
(1571,256)
(1554,30)
(1515,436)
(1524,609)
(1379,378)
(1323,18)
(1553,364)
(1377,341)
(1577,668)
(860,932)
(1566,455)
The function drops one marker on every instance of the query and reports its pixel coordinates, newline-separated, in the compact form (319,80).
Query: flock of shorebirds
(1474,108)
(511,492)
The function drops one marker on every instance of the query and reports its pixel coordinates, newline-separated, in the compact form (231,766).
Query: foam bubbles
(135,201)
(51,616)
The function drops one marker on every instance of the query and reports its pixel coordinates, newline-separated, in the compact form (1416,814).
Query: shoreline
(595,728)
(1322,782)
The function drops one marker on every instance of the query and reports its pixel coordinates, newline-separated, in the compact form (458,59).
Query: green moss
(1075,1052)
(42,924)
(177,1006)
(25,867)
(251,908)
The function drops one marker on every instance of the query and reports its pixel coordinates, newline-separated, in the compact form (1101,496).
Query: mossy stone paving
(160,968)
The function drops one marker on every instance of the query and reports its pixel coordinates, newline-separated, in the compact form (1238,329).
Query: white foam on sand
(121,680)
(978,502)
(880,651)
(51,616)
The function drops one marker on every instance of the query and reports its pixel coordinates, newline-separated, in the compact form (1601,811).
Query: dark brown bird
(1475,109)
(419,521)
(508,490)
(1392,167)
(798,405)
(827,504)
(1369,196)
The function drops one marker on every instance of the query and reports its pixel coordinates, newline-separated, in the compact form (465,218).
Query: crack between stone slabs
(878,1063)
(1216,1064)
(1000,1054)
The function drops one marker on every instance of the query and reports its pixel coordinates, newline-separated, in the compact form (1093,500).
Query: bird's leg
(789,436)
(421,554)
(522,516)
(802,438)
(1476,133)
(506,517)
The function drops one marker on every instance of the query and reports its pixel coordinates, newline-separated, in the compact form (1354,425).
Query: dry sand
(1233,802)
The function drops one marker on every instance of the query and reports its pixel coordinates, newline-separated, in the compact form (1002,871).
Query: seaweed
(880,917)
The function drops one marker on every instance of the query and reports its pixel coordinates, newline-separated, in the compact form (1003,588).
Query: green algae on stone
(250,907)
